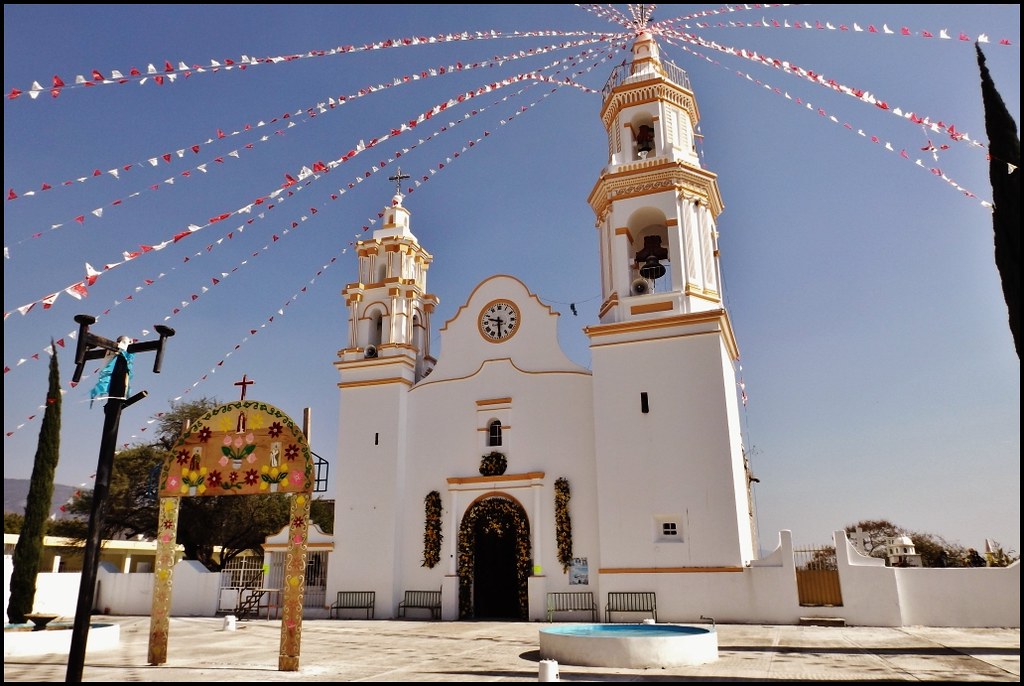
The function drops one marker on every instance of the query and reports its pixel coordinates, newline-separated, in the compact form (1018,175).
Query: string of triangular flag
(937,126)
(80,289)
(886,145)
(169,72)
(572,61)
(854,27)
(300,116)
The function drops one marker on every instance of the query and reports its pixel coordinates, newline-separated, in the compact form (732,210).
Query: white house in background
(900,552)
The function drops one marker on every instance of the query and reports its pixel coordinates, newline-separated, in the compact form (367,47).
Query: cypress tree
(29,550)
(1004,173)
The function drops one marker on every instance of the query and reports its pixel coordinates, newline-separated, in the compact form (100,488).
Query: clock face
(499,321)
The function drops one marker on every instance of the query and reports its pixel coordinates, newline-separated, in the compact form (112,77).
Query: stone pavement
(387,650)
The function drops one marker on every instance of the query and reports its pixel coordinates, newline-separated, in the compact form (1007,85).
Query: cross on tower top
(398,178)
(244,383)
(641,15)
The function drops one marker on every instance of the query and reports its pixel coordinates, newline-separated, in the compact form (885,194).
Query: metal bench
(572,601)
(422,600)
(354,600)
(631,601)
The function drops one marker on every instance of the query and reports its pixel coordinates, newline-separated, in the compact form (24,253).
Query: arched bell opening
(650,252)
(375,317)
(644,144)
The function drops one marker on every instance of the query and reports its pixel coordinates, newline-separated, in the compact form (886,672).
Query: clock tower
(671,473)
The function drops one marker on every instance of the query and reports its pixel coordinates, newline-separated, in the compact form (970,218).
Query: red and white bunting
(170,73)
(934,171)
(819,25)
(937,126)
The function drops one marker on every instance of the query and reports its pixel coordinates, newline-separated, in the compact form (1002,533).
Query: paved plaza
(200,649)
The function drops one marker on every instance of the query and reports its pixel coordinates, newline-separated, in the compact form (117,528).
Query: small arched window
(494,433)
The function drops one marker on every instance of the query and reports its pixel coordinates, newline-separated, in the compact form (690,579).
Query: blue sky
(875,352)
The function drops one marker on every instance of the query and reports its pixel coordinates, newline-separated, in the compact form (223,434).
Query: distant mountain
(16,495)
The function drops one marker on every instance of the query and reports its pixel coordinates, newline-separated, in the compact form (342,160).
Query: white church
(501,471)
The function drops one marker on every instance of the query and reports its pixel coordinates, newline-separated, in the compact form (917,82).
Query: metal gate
(316,576)
(247,571)
(817,576)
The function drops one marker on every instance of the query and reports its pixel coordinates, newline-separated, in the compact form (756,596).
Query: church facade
(501,470)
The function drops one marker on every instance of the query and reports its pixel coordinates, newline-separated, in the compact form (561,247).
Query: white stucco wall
(681,458)
(196,591)
(982,597)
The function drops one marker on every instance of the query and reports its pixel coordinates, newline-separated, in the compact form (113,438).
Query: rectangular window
(668,529)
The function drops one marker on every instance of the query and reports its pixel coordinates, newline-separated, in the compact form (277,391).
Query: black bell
(652,268)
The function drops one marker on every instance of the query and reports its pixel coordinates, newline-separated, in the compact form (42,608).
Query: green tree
(13,522)
(233,524)
(322,513)
(1004,174)
(171,424)
(29,550)
(131,505)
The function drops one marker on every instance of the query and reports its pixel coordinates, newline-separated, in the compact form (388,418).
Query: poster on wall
(578,572)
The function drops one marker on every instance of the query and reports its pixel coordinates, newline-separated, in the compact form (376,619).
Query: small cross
(860,538)
(397,178)
(243,383)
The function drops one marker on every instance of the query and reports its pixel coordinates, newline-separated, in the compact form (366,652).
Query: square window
(668,529)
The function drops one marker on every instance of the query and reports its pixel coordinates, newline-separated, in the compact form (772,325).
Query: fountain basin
(629,646)
(21,639)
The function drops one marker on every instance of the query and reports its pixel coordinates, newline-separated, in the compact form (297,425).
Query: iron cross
(243,383)
(397,178)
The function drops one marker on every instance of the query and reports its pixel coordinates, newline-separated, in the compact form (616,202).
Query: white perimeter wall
(764,593)
(196,591)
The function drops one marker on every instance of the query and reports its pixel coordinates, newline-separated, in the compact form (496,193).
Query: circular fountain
(629,646)
(43,635)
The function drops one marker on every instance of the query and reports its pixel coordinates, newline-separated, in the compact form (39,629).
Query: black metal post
(91,347)
(90,565)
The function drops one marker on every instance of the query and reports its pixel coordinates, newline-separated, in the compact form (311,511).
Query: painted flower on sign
(275,429)
(237,449)
(271,478)
(291,452)
(193,481)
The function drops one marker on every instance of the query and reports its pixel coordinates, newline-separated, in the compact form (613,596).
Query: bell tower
(671,474)
(387,353)
(656,208)
(388,307)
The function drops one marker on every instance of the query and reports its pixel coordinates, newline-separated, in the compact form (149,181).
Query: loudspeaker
(370,351)
(640,287)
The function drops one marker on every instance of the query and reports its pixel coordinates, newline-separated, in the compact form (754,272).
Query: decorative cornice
(720,316)
(656,176)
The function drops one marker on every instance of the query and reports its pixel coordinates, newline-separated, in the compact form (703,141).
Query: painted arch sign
(240,448)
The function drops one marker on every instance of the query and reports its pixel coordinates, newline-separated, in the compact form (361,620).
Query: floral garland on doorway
(563,524)
(432,530)
(498,515)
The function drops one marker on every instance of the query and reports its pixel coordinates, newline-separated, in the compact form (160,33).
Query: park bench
(422,600)
(630,601)
(354,600)
(572,601)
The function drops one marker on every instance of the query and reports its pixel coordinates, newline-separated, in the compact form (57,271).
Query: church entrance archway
(495,560)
